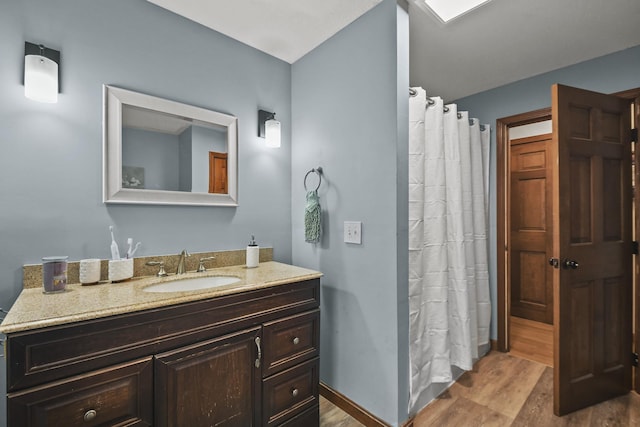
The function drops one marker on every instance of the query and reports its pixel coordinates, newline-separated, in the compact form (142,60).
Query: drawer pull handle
(90,415)
(259,352)
(294,392)
(296,341)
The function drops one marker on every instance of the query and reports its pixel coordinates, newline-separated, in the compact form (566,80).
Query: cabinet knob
(296,341)
(294,392)
(90,415)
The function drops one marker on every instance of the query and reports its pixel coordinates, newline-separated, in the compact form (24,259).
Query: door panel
(580,199)
(192,381)
(592,197)
(530,218)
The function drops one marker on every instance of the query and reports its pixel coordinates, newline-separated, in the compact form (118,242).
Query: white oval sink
(195,284)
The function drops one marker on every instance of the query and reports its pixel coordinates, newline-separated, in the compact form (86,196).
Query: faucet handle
(161,272)
(201,268)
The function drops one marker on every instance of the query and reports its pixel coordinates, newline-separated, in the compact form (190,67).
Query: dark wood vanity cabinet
(247,359)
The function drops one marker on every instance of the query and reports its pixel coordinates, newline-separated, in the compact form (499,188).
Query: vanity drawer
(290,340)
(309,418)
(290,392)
(120,395)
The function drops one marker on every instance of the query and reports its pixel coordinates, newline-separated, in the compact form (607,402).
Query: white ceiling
(498,43)
(508,40)
(286,29)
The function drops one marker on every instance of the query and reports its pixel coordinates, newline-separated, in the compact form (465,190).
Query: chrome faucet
(181,269)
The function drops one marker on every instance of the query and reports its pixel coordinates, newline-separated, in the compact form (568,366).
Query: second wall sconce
(269,128)
(41,73)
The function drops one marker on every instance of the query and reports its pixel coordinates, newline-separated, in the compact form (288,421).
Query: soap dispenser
(253,253)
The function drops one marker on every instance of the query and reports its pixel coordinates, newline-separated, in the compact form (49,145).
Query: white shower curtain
(449,306)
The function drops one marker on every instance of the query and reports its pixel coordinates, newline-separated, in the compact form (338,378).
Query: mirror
(158,151)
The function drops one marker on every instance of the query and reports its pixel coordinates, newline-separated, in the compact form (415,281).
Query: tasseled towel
(312,218)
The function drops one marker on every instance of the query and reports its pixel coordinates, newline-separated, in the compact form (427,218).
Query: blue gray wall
(185,160)
(345,97)
(50,168)
(607,74)
(402,210)
(205,140)
(158,153)
(51,162)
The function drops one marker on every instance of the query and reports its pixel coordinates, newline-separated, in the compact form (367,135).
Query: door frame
(634,95)
(503,220)
(502,180)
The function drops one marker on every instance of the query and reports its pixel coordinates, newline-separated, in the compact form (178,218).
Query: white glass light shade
(272,133)
(40,79)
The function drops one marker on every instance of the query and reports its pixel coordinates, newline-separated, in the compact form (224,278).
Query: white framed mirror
(157,151)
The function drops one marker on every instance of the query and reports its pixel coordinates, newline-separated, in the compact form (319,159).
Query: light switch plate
(353,232)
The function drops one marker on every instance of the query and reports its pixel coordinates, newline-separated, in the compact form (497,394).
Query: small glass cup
(54,274)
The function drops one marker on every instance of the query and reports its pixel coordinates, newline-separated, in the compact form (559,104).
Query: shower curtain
(449,306)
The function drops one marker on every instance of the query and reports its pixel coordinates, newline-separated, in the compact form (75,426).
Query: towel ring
(317,170)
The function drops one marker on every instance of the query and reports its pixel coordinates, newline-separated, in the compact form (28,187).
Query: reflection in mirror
(164,152)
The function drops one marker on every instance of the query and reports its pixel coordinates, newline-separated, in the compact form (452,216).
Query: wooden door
(531,231)
(213,383)
(218,173)
(592,243)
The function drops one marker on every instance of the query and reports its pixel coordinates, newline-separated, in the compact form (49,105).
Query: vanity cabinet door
(120,395)
(212,383)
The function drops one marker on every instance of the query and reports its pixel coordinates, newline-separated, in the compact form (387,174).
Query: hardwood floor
(332,416)
(532,340)
(504,390)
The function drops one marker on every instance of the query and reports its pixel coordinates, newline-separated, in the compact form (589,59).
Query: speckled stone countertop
(33,309)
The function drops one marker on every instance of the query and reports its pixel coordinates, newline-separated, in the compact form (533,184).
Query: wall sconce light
(269,128)
(41,73)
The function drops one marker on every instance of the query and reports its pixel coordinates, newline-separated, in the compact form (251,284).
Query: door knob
(554,262)
(569,263)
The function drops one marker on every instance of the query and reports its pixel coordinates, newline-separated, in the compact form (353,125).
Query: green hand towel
(312,218)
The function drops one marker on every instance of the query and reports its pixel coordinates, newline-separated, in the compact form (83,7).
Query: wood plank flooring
(332,416)
(503,390)
(531,340)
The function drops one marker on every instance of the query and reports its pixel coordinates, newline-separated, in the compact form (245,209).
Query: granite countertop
(33,309)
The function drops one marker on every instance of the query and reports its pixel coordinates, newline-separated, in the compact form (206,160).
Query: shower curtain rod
(413,92)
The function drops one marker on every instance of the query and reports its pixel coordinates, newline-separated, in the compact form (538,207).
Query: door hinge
(635,249)
(634,359)
(634,135)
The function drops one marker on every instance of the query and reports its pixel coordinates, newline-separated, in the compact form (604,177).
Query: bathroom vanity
(238,355)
